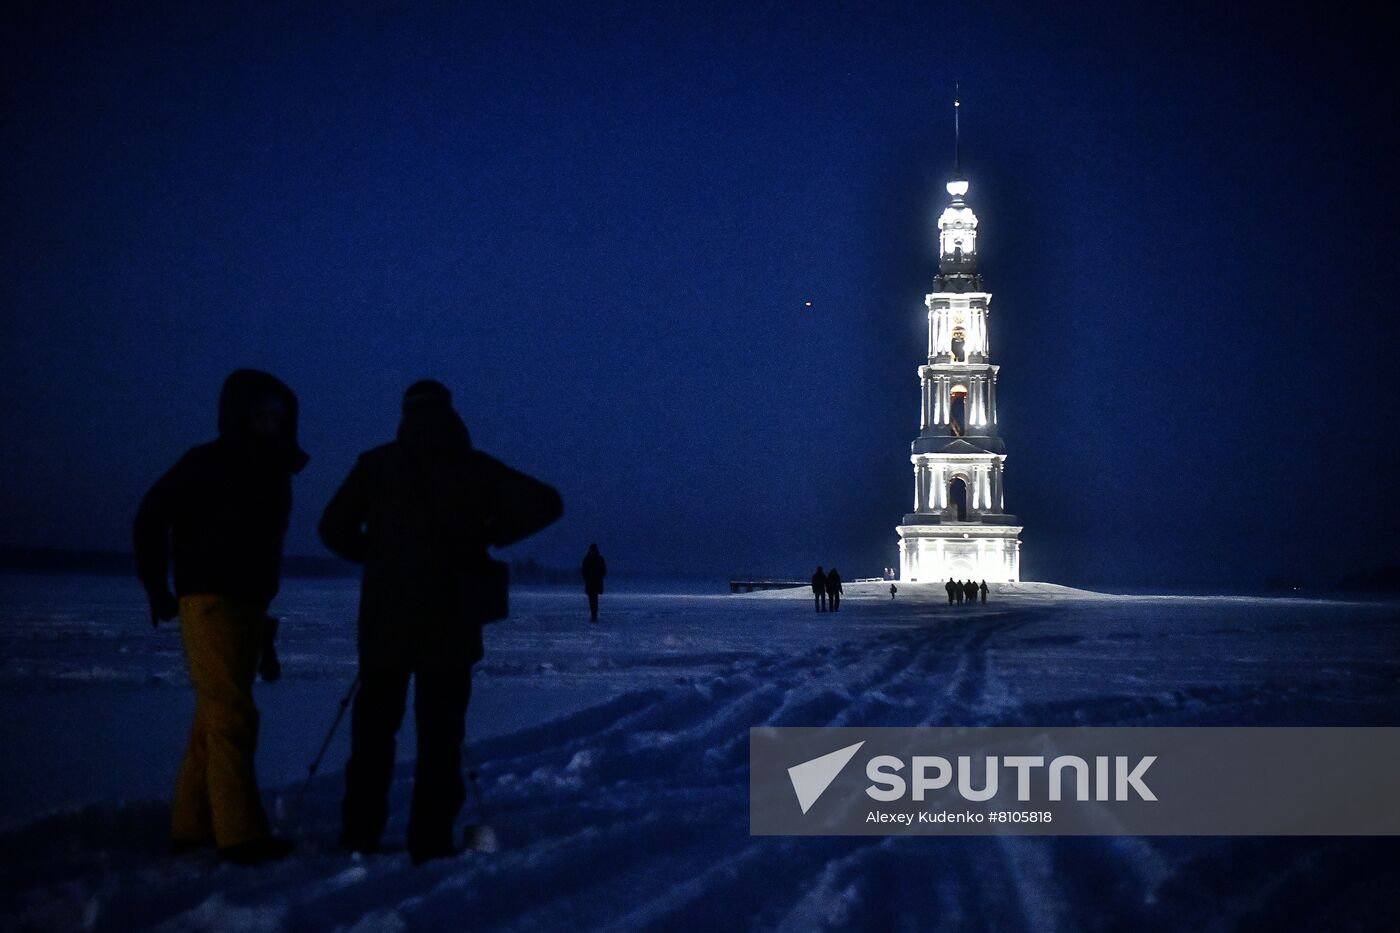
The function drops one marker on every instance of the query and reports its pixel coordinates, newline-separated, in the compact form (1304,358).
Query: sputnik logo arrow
(811,778)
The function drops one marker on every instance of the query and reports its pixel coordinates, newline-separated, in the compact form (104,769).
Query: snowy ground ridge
(632,813)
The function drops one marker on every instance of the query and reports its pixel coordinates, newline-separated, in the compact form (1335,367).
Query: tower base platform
(940,550)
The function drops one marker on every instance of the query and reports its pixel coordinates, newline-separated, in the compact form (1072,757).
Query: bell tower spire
(957,135)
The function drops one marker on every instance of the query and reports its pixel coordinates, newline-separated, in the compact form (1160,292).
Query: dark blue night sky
(599,225)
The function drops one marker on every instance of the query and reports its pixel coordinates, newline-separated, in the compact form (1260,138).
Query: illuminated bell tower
(959,528)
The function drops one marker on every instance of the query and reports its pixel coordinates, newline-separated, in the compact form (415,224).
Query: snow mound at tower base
(1005,593)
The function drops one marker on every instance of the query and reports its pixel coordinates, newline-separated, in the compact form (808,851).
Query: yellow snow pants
(216,795)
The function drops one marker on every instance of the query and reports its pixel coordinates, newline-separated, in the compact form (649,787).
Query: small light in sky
(807,304)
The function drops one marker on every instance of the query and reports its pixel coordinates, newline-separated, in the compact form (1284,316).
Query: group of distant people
(966,591)
(826,588)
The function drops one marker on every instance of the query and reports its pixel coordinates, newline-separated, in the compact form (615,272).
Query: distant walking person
(950,587)
(893,589)
(420,513)
(833,589)
(970,591)
(958,592)
(594,569)
(819,589)
(983,590)
(219,515)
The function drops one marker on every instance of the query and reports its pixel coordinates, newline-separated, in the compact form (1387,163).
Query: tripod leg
(330,735)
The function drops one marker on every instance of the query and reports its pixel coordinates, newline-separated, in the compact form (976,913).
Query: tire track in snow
(633,814)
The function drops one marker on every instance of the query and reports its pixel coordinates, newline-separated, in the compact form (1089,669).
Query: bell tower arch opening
(957,410)
(957,498)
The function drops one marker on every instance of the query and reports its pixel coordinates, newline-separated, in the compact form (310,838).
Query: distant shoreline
(523,572)
(1381,581)
(118,563)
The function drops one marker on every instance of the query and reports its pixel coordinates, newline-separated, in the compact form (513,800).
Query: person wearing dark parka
(420,513)
(819,589)
(219,515)
(833,590)
(593,569)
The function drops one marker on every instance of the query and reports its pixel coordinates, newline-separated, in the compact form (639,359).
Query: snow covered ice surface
(614,763)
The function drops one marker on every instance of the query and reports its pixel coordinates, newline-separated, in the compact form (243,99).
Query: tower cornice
(933,296)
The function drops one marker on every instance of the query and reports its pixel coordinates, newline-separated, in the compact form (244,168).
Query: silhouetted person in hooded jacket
(983,591)
(593,569)
(833,589)
(419,513)
(949,587)
(219,515)
(819,589)
(970,591)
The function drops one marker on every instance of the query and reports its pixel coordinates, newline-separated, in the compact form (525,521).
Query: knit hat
(426,393)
